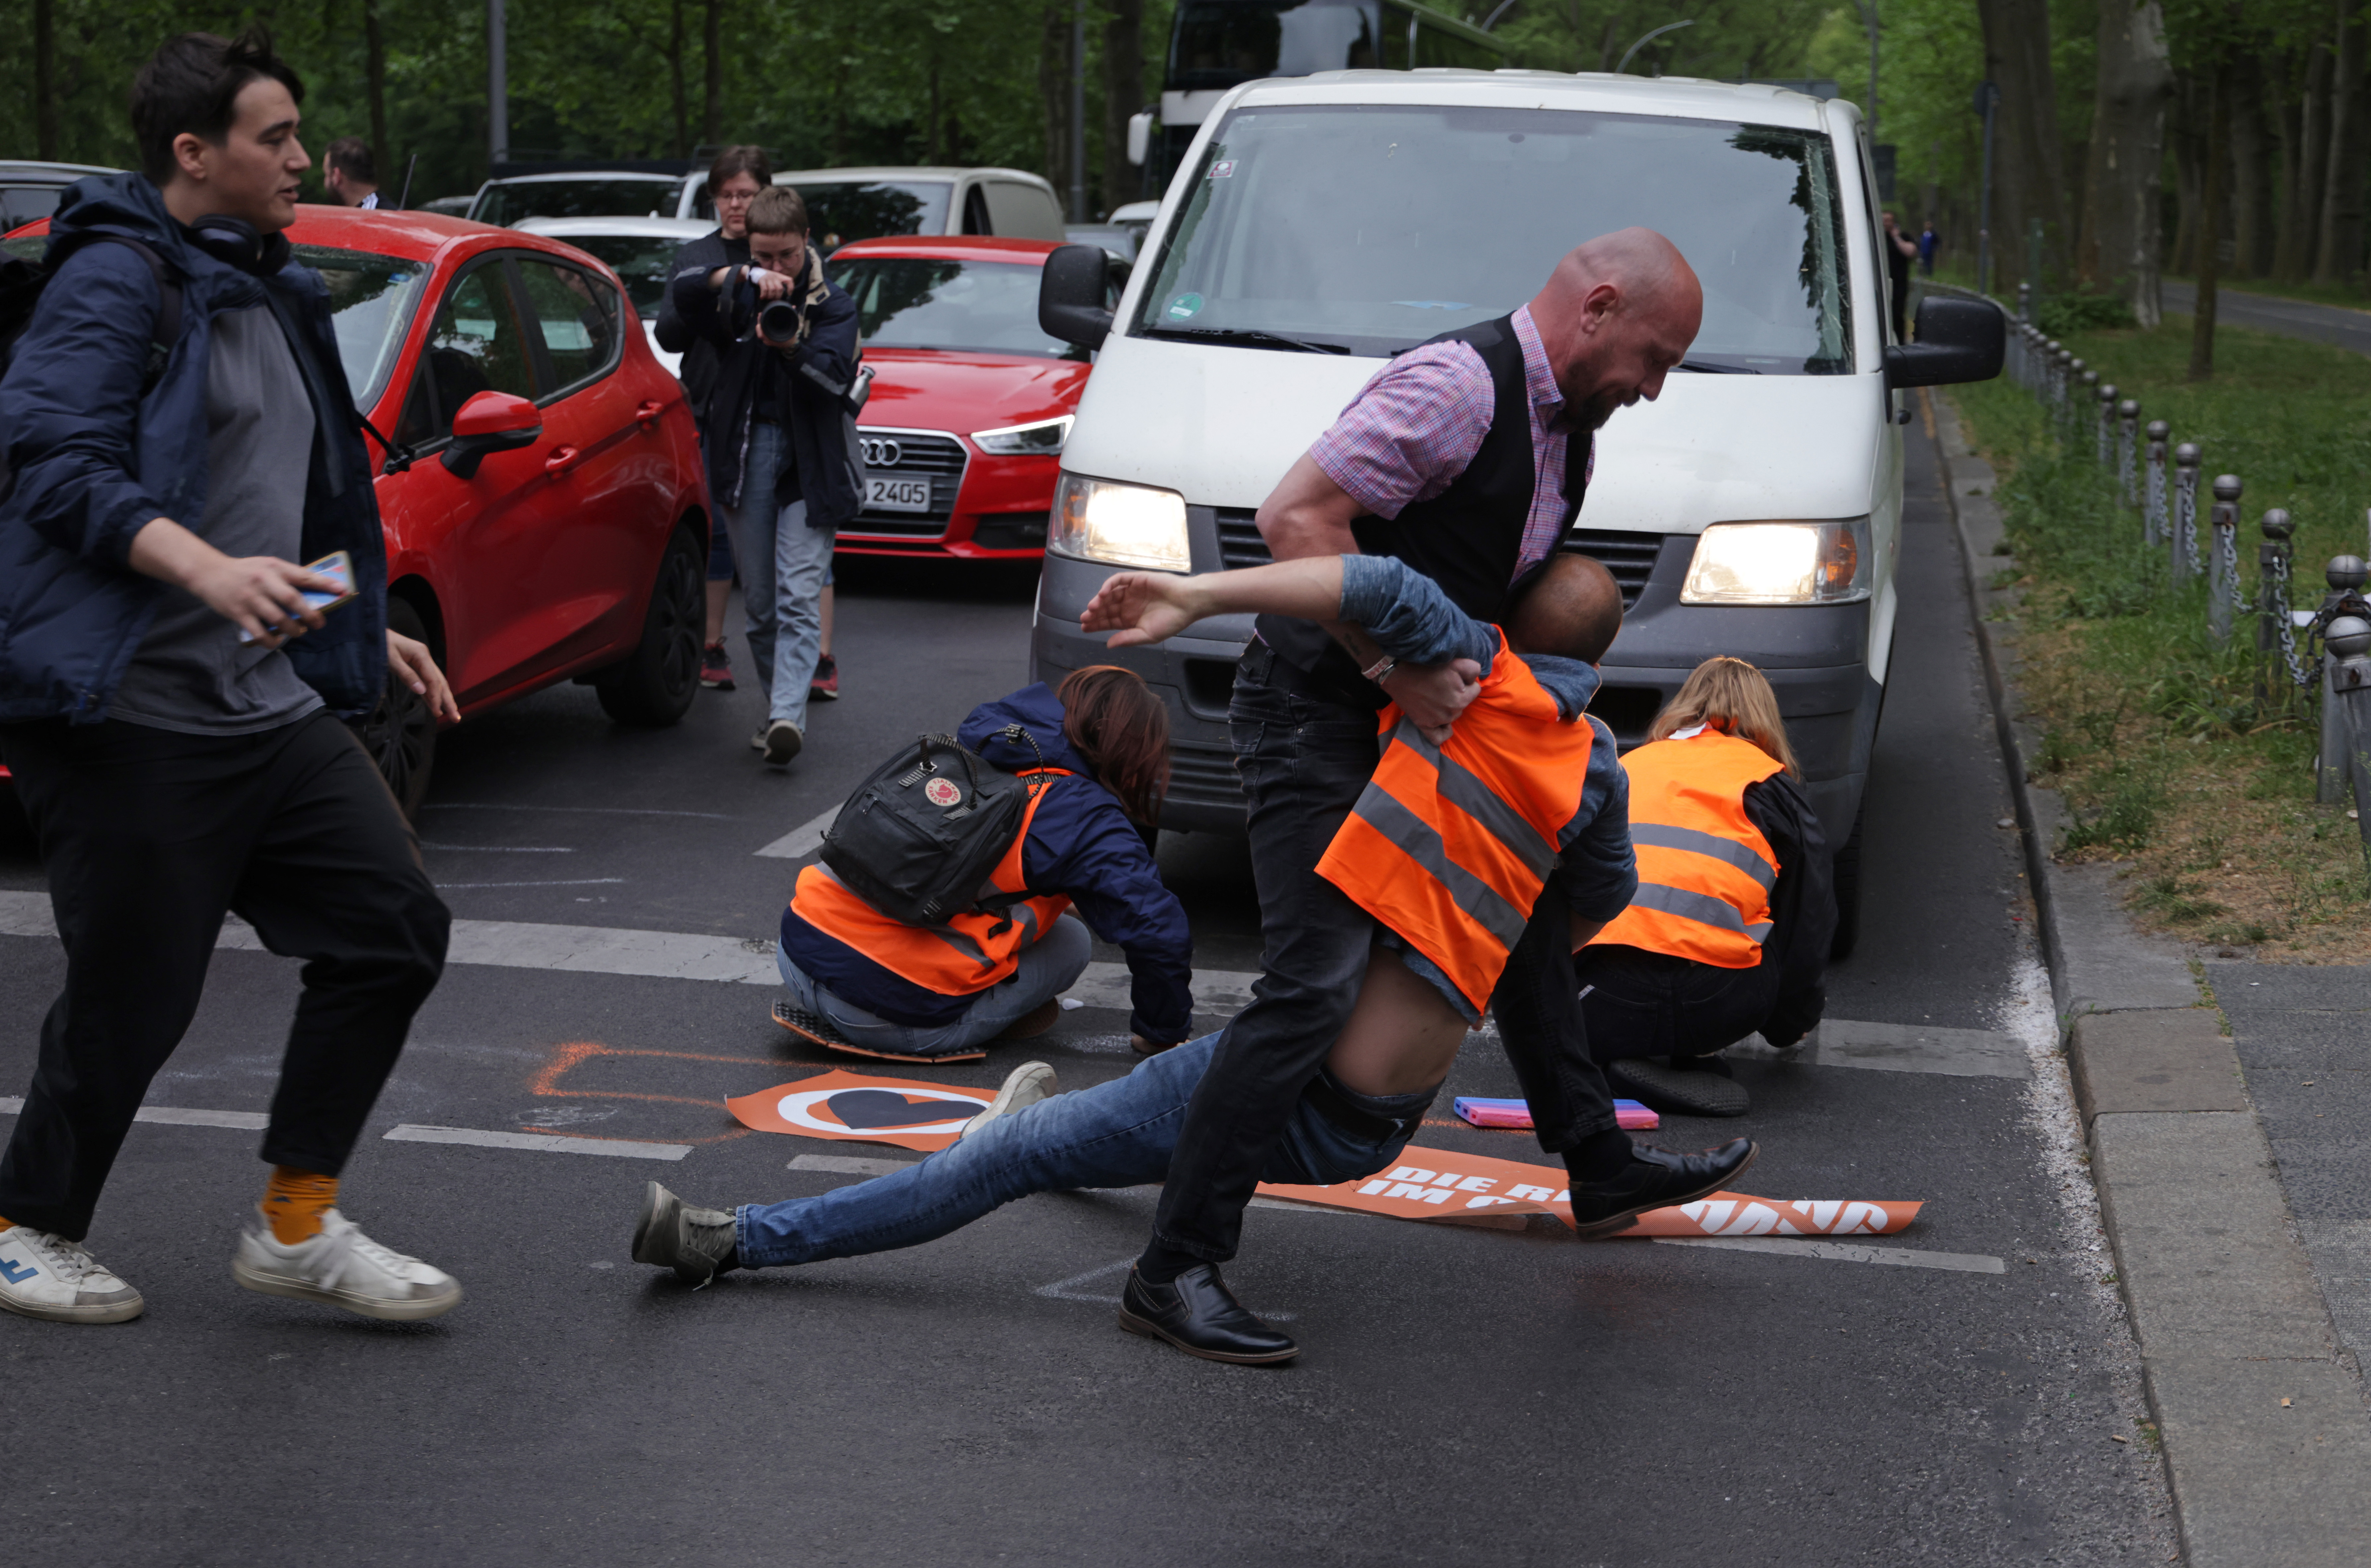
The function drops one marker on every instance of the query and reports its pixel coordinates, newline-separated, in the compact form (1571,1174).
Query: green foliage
(2175,901)
(2084,310)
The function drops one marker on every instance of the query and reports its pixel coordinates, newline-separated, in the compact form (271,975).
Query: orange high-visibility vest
(1450,846)
(970,951)
(1705,870)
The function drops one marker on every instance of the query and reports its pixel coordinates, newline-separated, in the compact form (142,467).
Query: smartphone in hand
(337,566)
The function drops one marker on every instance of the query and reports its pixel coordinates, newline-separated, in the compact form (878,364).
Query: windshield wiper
(1707,367)
(1252,335)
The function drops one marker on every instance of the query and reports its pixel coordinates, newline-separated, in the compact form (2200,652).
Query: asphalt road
(1466,1395)
(2269,313)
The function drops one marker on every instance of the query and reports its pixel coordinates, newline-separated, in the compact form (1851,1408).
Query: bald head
(1573,609)
(1614,316)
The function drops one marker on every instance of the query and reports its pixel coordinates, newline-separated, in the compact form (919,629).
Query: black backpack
(919,838)
(21,282)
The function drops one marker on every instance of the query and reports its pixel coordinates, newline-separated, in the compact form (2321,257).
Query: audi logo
(880,452)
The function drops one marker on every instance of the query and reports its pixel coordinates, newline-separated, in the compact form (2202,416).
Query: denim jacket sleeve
(1601,870)
(70,407)
(1082,846)
(1408,615)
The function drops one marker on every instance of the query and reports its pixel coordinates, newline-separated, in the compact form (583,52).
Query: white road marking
(620,1148)
(572,811)
(850,1165)
(169,1115)
(801,840)
(1224,991)
(499,848)
(1840,1252)
(1068,1290)
(580,882)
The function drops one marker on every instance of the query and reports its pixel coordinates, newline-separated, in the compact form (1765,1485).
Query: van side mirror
(1959,340)
(489,422)
(1139,136)
(1070,295)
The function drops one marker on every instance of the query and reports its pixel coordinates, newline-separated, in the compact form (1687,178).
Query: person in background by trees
(352,178)
(1898,250)
(1928,242)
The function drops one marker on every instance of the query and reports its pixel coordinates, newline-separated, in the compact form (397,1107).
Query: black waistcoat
(1467,539)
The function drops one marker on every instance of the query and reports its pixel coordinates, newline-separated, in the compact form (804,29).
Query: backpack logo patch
(943,792)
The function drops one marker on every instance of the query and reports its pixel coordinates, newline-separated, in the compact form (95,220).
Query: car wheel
(656,685)
(1847,881)
(400,734)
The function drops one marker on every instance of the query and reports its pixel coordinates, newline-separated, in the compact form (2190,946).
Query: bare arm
(1146,607)
(259,593)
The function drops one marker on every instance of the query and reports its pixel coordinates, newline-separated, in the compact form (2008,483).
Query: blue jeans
(1115,1135)
(783,564)
(1048,966)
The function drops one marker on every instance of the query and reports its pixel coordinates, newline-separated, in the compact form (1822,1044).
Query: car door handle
(645,412)
(562,460)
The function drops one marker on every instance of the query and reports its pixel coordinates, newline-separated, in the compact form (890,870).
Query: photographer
(783,473)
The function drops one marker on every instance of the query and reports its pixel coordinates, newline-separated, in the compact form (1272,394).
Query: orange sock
(295,1201)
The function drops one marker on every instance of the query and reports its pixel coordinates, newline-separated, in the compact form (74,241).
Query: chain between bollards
(2155,528)
(2350,694)
(2185,540)
(2128,428)
(2275,634)
(2223,562)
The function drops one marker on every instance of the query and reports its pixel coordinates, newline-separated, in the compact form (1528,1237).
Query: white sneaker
(342,1267)
(780,741)
(45,1275)
(1028,1083)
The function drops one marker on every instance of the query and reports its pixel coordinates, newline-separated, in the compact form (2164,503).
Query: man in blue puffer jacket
(863,984)
(171,705)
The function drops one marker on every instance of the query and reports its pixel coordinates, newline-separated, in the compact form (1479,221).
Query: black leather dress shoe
(1200,1316)
(1655,1179)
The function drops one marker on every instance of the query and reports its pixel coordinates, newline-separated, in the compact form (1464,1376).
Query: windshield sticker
(1223,170)
(1185,307)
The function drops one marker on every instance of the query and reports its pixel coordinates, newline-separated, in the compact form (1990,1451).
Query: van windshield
(1370,229)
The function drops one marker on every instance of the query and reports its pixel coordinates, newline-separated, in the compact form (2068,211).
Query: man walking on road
(1454,459)
(182,435)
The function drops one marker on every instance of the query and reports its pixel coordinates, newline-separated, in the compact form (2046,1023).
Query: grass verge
(2168,752)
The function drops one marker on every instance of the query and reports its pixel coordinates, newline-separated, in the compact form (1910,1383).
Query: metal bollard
(2061,374)
(2346,574)
(2222,563)
(2275,634)
(2350,690)
(2025,302)
(2105,420)
(2153,522)
(2185,539)
(2128,430)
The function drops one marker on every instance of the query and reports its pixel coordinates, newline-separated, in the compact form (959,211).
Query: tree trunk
(1123,96)
(933,151)
(675,82)
(2252,193)
(2218,141)
(1054,92)
(2028,160)
(2301,203)
(2182,137)
(2339,251)
(2122,186)
(45,80)
(712,117)
(375,77)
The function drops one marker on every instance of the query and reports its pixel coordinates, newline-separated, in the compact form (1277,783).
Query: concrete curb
(2266,1443)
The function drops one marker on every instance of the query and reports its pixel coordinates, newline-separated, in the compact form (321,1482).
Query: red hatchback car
(541,491)
(971,401)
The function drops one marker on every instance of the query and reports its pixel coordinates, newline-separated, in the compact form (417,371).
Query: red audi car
(971,401)
(541,491)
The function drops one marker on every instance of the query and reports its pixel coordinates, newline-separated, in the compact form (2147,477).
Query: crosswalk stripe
(803,839)
(543,1142)
(1840,1252)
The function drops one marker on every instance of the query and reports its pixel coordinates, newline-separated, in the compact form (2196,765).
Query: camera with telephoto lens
(777,323)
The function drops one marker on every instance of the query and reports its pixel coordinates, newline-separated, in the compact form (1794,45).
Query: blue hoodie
(95,461)
(1080,846)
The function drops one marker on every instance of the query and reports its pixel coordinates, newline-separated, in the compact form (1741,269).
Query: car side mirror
(1070,295)
(1959,340)
(1139,136)
(488,423)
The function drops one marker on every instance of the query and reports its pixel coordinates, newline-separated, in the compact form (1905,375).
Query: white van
(1320,224)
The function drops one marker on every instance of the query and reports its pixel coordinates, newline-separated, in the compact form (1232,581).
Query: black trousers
(1303,762)
(149,837)
(1651,1004)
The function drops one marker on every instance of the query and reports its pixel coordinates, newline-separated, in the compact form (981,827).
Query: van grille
(1629,557)
(1240,543)
(1203,775)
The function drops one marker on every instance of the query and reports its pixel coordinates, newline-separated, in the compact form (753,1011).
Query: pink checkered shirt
(1414,427)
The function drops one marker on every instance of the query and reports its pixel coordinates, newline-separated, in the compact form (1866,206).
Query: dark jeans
(1303,762)
(149,837)
(1651,1004)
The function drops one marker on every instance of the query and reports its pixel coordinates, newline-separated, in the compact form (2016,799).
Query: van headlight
(1779,563)
(1125,524)
(1044,439)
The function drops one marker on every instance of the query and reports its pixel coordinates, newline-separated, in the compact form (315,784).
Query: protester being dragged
(1526,733)
(1729,935)
(776,416)
(1094,757)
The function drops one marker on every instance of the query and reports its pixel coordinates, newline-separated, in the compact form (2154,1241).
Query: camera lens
(778,322)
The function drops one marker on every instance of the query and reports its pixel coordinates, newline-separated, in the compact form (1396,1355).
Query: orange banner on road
(1435,1185)
(852,1108)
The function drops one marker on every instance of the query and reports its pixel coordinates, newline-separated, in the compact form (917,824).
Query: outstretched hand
(1141,607)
